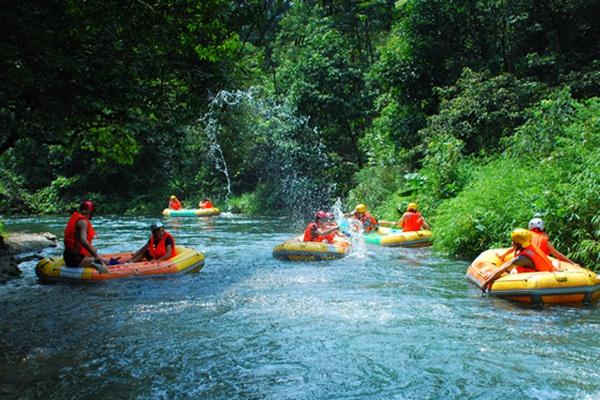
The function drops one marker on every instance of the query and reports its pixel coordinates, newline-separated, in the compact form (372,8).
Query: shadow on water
(383,323)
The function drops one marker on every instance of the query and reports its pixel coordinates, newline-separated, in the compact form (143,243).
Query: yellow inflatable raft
(55,270)
(192,212)
(298,250)
(568,284)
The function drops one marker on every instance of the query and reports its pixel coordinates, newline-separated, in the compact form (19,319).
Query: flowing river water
(379,324)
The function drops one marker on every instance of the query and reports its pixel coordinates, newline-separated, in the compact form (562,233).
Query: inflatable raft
(298,250)
(390,237)
(568,284)
(191,212)
(55,270)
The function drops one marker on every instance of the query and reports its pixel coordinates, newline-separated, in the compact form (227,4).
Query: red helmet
(87,205)
(320,215)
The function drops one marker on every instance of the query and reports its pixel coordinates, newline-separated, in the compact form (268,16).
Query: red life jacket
(174,204)
(538,258)
(413,221)
(311,234)
(72,243)
(368,221)
(540,240)
(160,249)
(206,204)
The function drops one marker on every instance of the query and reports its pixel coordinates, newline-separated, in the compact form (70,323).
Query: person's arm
(506,253)
(81,228)
(557,254)
(139,253)
(425,224)
(401,222)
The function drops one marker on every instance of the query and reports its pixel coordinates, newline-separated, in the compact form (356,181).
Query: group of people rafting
(530,249)
(175,204)
(325,229)
(79,234)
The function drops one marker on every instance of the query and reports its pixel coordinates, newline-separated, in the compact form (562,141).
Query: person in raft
(320,230)
(79,234)
(160,246)
(331,223)
(361,214)
(174,203)
(206,203)
(528,257)
(540,240)
(412,220)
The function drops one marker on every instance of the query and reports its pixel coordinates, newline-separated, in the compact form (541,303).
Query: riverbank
(17,247)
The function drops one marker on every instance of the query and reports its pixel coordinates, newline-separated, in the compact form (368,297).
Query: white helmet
(536,223)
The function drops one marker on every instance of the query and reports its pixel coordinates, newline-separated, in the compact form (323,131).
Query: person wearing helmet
(160,246)
(361,214)
(79,234)
(412,220)
(206,203)
(174,203)
(540,239)
(528,257)
(319,230)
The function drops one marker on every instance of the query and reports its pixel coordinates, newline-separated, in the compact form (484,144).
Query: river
(379,324)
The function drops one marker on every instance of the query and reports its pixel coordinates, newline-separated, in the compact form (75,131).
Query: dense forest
(485,113)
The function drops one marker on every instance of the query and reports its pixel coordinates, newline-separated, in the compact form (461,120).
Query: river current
(378,324)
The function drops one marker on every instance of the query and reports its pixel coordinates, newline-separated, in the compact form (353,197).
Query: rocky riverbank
(17,247)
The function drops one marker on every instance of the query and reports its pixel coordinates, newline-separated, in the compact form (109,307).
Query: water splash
(282,146)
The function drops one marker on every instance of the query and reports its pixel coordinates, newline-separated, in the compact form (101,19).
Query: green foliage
(444,166)
(480,110)
(552,169)
(245,203)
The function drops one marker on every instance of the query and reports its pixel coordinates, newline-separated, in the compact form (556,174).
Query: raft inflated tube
(186,261)
(567,285)
(298,250)
(389,237)
(192,212)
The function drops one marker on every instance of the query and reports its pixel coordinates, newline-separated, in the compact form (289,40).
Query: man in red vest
(79,234)
(412,220)
(160,246)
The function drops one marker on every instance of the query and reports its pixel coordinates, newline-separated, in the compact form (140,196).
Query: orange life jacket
(311,234)
(174,204)
(160,249)
(540,260)
(206,204)
(72,242)
(413,221)
(540,240)
(368,221)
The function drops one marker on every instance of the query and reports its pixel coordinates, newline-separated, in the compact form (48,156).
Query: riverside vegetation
(485,113)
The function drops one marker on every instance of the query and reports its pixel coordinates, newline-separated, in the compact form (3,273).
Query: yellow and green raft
(192,212)
(390,237)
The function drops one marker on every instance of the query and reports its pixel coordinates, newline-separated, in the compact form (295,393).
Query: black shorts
(72,259)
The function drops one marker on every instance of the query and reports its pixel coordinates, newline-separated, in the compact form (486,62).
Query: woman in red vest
(206,203)
(79,234)
(160,246)
(412,220)
(361,214)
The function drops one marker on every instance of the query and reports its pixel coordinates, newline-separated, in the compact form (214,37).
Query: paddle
(497,272)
